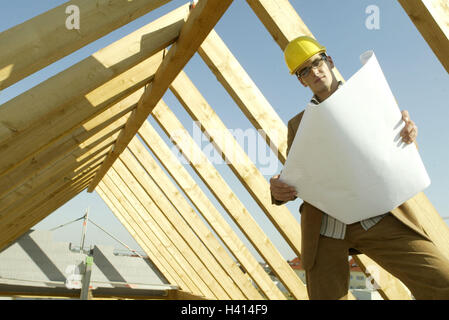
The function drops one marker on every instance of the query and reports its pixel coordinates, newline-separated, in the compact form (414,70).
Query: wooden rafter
(203,205)
(145,239)
(79,142)
(188,224)
(166,234)
(239,162)
(40,41)
(199,243)
(84,90)
(198,25)
(224,194)
(431,18)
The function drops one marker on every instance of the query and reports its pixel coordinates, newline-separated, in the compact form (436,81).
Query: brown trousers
(402,252)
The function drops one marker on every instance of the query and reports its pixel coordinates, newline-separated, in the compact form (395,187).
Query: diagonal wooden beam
(223,230)
(179,250)
(201,21)
(77,143)
(244,92)
(40,212)
(194,250)
(209,212)
(34,195)
(431,18)
(175,207)
(84,90)
(143,236)
(227,198)
(239,162)
(45,38)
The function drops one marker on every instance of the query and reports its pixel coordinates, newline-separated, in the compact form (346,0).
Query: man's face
(319,78)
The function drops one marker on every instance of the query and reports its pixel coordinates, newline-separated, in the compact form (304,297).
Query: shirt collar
(315,98)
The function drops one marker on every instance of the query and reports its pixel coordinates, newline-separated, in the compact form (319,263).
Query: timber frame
(94,134)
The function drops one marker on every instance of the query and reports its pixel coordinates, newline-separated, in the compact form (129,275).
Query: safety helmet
(299,50)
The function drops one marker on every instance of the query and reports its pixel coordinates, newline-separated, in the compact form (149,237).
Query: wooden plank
(168,255)
(183,295)
(199,23)
(227,199)
(136,232)
(187,245)
(244,91)
(190,226)
(202,204)
(119,66)
(55,125)
(280,19)
(245,170)
(45,38)
(80,79)
(431,18)
(39,213)
(178,249)
(77,143)
(44,183)
(16,212)
(284,24)
(60,170)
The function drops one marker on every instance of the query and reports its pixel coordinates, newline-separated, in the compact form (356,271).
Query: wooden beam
(141,238)
(201,21)
(17,210)
(60,170)
(39,213)
(77,143)
(44,39)
(80,79)
(227,199)
(431,18)
(280,19)
(187,245)
(55,125)
(190,226)
(168,255)
(202,203)
(282,22)
(244,91)
(178,249)
(183,295)
(245,170)
(84,90)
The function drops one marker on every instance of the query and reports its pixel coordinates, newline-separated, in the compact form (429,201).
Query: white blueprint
(347,158)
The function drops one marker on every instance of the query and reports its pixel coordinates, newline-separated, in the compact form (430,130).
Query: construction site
(105,125)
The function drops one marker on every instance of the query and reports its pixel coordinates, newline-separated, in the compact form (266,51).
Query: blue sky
(415,75)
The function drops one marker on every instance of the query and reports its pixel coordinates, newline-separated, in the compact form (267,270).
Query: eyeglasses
(315,64)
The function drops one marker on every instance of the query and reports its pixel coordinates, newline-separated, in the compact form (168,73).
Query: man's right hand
(282,191)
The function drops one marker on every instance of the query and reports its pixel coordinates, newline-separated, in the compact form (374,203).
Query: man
(395,240)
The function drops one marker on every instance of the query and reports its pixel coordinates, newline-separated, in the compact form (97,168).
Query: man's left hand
(410,131)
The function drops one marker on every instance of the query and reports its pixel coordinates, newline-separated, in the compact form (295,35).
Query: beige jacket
(311,216)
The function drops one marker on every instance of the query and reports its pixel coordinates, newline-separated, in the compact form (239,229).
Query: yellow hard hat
(299,50)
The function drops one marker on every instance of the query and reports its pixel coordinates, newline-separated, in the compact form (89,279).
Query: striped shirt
(333,228)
